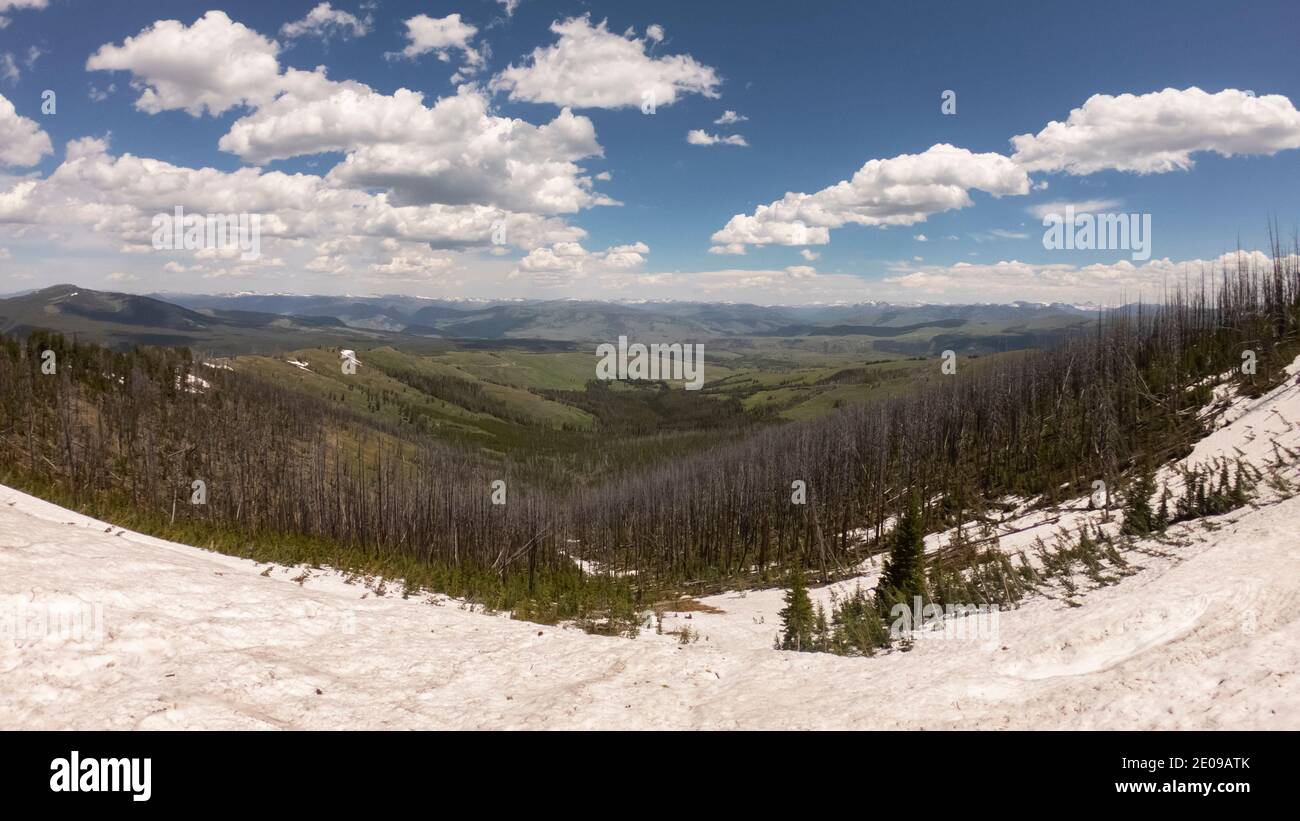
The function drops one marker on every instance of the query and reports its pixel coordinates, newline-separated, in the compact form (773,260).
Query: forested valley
(158,440)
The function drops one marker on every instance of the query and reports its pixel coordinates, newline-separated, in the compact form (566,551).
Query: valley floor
(156,635)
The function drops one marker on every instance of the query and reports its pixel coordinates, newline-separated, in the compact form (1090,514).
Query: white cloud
(654,32)
(22,142)
(1159,132)
(326,22)
(591,67)
(1006,281)
(996,234)
(413,262)
(730,117)
(792,286)
(961,283)
(567,262)
(213,65)
(510,6)
(447,171)
(9,70)
(903,190)
(12,5)
(810,255)
(921,238)
(699,136)
(117,198)
(442,35)
(455,152)
(1041,210)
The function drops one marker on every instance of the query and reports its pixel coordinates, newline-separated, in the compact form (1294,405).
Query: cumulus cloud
(118,196)
(411,262)
(902,190)
(566,262)
(1006,281)
(1159,132)
(810,255)
(592,67)
(326,22)
(442,35)
(446,171)
(730,117)
(22,142)
(13,5)
(213,65)
(699,136)
(453,152)
(737,248)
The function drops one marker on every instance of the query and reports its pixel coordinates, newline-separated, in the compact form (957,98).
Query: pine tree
(857,626)
(797,616)
(1238,495)
(1139,519)
(821,630)
(904,573)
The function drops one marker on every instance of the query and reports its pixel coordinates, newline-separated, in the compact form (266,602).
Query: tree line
(126,434)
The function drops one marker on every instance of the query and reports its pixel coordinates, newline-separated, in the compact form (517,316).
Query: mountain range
(248,322)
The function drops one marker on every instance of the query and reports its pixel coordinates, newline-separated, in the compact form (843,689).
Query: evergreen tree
(904,573)
(821,630)
(1139,518)
(797,618)
(857,626)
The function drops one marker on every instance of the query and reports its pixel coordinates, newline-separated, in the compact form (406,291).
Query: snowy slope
(1207,634)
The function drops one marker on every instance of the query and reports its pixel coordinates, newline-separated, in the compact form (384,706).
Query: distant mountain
(73,304)
(246,323)
(590,320)
(123,320)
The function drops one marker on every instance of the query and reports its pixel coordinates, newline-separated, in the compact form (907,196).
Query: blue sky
(824,87)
